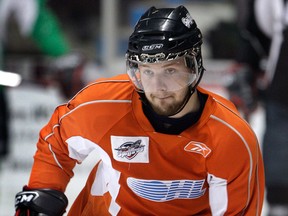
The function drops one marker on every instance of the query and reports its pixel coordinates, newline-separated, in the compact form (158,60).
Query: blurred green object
(47,33)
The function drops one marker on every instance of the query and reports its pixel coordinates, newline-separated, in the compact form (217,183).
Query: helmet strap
(186,99)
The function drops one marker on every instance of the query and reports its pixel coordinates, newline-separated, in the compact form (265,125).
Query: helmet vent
(154,36)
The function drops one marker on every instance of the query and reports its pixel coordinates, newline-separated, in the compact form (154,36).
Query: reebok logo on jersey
(162,191)
(198,147)
(130,149)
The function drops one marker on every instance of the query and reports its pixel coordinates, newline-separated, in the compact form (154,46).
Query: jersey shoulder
(220,99)
(224,118)
(114,88)
(219,109)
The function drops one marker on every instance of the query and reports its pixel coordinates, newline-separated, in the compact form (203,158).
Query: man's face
(166,85)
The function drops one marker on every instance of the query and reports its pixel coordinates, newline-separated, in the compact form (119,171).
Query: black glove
(243,90)
(40,202)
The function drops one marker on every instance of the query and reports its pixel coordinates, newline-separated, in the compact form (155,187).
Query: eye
(148,72)
(170,71)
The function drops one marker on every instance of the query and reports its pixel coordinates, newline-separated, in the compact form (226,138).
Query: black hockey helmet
(165,34)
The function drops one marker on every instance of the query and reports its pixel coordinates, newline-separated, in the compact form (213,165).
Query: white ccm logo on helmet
(152,47)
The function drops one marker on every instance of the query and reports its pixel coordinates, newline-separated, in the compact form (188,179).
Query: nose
(159,83)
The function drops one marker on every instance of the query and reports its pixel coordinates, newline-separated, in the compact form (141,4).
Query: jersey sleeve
(52,166)
(236,175)
(55,157)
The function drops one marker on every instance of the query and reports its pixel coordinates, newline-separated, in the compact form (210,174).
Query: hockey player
(166,146)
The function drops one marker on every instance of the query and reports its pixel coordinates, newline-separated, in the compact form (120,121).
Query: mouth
(161,97)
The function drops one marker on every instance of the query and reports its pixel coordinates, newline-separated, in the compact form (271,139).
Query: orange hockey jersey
(212,168)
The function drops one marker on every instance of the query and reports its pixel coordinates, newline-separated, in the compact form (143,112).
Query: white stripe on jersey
(107,177)
(248,151)
(218,195)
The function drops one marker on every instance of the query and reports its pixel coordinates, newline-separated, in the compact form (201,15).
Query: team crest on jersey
(130,149)
(198,147)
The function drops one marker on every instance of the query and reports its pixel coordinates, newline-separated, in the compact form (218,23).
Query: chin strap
(187,97)
(191,91)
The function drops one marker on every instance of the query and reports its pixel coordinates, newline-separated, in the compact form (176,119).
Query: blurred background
(79,42)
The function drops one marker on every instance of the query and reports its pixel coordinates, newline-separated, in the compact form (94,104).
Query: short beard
(171,109)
